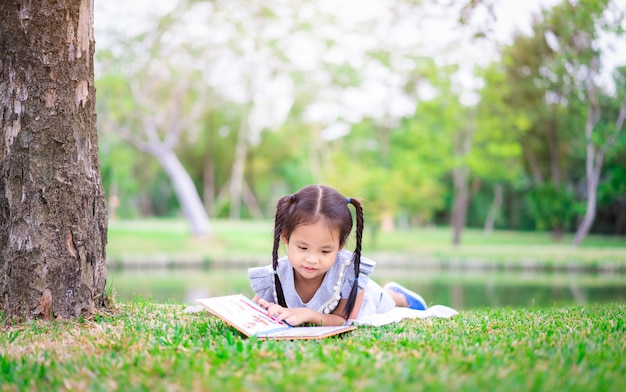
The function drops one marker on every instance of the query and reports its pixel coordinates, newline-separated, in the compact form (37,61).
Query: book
(252,320)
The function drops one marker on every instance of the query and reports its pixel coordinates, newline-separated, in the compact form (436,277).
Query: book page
(243,314)
(252,320)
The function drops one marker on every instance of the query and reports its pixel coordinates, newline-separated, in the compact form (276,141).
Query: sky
(511,15)
(380,96)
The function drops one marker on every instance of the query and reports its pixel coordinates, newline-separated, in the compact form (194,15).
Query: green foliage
(496,154)
(281,163)
(146,346)
(399,170)
(540,93)
(527,129)
(552,208)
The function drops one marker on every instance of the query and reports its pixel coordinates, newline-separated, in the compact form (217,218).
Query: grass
(170,240)
(143,346)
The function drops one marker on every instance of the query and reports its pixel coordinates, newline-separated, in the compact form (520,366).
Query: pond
(460,290)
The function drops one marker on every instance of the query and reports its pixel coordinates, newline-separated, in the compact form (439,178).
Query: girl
(318,282)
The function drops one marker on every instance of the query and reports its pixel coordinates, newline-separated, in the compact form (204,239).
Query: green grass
(145,346)
(170,240)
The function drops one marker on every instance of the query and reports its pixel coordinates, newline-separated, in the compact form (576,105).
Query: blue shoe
(414,300)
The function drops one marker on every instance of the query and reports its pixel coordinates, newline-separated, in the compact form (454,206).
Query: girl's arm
(357,306)
(297,316)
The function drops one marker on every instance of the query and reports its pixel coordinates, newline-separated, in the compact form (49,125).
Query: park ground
(142,345)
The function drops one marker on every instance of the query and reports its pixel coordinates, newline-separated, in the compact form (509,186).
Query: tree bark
(53,220)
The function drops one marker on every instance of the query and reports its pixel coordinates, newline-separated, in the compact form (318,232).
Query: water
(460,290)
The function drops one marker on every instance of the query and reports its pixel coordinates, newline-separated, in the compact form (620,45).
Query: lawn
(169,240)
(143,346)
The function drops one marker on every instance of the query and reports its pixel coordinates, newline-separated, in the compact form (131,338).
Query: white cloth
(377,319)
(397,314)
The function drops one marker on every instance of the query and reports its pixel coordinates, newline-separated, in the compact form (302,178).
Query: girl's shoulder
(264,276)
(347,255)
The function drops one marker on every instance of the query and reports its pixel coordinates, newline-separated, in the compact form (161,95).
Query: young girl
(318,282)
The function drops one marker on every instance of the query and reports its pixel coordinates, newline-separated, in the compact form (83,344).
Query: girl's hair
(307,206)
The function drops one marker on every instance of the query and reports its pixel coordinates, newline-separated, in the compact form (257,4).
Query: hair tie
(356,279)
(348,200)
(293,197)
(275,272)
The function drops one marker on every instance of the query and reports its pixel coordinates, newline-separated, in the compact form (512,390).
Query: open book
(252,320)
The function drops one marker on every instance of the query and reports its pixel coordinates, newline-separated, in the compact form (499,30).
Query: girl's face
(312,250)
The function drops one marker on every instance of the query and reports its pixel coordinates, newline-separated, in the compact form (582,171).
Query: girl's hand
(273,310)
(263,303)
(292,316)
(297,316)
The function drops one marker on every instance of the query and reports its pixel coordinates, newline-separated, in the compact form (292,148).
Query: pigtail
(356,257)
(281,211)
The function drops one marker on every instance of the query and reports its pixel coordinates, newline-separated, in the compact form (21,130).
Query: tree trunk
(208,178)
(594,161)
(208,182)
(460,177)
(460,203)
(495,207)
(620,224)
(239,165)
(532,163)
(53,220)
(185,191)
(555,171)
(553,145)
(251,203)
(387,224)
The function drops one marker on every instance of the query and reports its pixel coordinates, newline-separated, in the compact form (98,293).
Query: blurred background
(485,138)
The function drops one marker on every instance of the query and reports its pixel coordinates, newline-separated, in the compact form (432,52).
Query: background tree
(496,140)
(542,128)
(163,96)
(305,92)
(52,210)
(575,33)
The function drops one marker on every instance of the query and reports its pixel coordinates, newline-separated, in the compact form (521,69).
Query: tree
(574,33)
(53,220)
(577,43)
(496,140)
(165,95)
(542,129)
(600,137)
(207,55)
